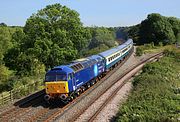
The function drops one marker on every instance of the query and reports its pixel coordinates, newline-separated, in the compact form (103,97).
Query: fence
(10,96)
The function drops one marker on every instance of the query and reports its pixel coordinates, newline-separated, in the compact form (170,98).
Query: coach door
(73,81)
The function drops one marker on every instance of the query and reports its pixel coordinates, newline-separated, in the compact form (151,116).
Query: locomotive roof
(61,68)
(80,64)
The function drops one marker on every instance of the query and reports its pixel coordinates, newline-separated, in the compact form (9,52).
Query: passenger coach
(114,55)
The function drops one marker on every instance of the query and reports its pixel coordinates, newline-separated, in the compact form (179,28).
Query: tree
(3,24)
(5,41)
(18,37)
(178,38)
(58,23)
(61,28)
(53,36)
(5,75)
(121,33)
(102,36)
(156,28)
(175,26)
(133,33)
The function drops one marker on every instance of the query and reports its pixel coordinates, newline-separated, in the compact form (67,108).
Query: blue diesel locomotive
(68,81)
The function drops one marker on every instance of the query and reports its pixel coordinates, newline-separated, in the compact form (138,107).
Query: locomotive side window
(70,76)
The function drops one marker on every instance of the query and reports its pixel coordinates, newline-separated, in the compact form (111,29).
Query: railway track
(128,75)
(24,110)
(29,110)
(77,112)
(50,114)
(22,106)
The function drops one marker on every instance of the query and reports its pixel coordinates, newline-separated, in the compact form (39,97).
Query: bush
(139,51)
(156,93)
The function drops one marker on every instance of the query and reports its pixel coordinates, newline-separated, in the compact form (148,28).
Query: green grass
(150,48)
(156,93)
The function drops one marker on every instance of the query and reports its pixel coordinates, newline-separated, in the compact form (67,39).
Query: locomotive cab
(57,83)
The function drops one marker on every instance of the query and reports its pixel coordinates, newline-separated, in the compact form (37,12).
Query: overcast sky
(92,12)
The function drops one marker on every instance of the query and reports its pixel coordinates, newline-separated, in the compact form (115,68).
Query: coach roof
(108,52)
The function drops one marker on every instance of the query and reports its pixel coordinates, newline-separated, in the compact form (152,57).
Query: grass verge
(156,93)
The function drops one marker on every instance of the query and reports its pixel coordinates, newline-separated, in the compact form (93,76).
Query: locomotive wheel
(83,88)
(88,85)
(96,80)
(70,99)
(74,96)
(93,82)
(77,93)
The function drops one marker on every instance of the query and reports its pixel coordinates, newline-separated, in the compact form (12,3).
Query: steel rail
(136,67)
(88,91)
(27,101)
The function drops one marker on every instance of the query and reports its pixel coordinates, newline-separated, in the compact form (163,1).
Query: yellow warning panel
(57,87)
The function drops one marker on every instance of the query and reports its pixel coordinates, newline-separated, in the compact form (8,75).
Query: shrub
(156,93)
(139,51)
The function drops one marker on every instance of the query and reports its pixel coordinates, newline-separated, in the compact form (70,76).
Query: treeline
(52,36)
(156,28)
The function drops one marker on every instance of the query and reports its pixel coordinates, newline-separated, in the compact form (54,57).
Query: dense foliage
(52,36)
(156,28)
(102,39)
(156,92)
(5,45)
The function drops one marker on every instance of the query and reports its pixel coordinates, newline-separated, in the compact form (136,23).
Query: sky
(108,13)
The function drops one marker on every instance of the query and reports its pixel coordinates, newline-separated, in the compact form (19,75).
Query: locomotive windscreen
(54,77)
